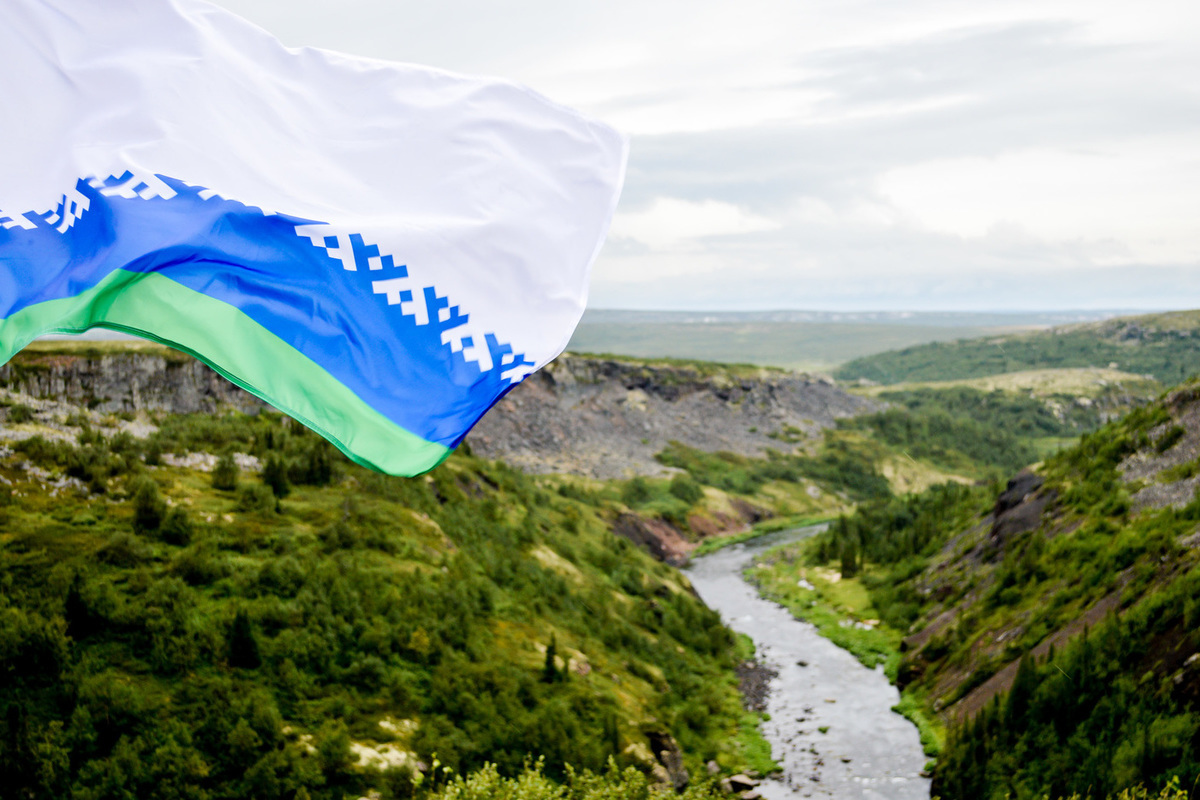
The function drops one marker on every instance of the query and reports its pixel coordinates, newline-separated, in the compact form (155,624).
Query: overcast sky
(857,154)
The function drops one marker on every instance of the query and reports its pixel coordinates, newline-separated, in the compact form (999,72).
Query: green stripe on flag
(155,307)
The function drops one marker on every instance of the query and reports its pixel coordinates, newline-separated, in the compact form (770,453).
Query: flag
(379,250)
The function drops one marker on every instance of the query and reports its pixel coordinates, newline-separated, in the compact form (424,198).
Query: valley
(201,598)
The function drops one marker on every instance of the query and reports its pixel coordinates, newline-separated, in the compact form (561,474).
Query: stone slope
(598,417)
(140,379)
(607,418)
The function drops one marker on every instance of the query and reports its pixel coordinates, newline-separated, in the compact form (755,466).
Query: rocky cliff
(607,418)
(134,378)
(591,416)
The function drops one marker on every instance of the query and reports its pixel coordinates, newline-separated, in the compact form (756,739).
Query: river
(866,751)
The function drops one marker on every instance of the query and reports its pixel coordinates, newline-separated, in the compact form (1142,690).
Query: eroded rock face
(126,382)
(607,419)
(1162,471)
(659,538)
(1019,509)
(589,416)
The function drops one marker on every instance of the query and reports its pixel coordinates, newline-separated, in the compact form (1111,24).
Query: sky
(852,154)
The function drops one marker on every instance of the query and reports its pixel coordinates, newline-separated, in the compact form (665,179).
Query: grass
(703,367)
(812,346)
(930,729)
(834,605)
(1075,381)
(754,750)
(775,525)
(840,609)
(906,474)
(95,347)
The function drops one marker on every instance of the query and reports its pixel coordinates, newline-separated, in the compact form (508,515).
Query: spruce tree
(550,670)
(243,644)
(149,508)
(225,473)
(274,474)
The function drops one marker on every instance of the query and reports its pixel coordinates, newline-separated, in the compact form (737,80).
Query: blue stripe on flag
(401,347)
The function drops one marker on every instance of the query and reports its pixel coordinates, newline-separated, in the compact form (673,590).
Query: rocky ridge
(607,418)
(603,418)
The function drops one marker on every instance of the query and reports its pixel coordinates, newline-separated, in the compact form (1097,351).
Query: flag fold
(379,250)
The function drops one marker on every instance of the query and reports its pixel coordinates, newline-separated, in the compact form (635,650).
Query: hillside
(599,417)
(608,418)
(1050,623)
(1165,347)
(197,590)
(802,340)
(177,625)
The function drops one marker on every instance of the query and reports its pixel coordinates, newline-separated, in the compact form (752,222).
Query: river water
(867,751)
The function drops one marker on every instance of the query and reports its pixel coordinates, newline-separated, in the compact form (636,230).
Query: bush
(149,509)
(176,528)
(274,475)
(686,489)
(256,497)
(635,492)
(225,473)
(315,466)
(20,413)
(243,643)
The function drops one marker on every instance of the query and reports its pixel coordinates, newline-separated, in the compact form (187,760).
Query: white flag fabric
(381,250)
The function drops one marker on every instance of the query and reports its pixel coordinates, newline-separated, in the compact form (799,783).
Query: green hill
(1051,625)
(317,630)
(804,340)
(1164,346)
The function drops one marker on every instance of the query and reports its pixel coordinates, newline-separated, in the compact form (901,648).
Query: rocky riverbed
(831,726)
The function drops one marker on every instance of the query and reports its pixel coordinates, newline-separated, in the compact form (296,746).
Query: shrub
(149,509)
(176,528)
(686,489)
(20,413)
(256,497)
(123,550)
(635,492)
(315,466)
(274,475)
(225,473)
(243,643)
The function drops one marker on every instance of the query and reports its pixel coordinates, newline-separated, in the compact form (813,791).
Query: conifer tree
(274,474)
(243,644)
(550,670)
(225,473)
(149,508)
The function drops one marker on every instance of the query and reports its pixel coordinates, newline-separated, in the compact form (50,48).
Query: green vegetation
(775,525)
(162,637)
(1107,713)
(792,345)
(533,784)
(844,463)
(972,432)
(1057,643)
(1165,346)
(839,609)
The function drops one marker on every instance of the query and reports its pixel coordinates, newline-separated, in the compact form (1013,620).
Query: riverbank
(842,611)
(775,525)
(828,718)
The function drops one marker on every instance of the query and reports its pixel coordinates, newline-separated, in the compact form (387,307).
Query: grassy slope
(971,602)
(810,346)
(410,617)
(1072,382)
(1164,346)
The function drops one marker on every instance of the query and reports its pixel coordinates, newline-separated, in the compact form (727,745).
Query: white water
(868,751)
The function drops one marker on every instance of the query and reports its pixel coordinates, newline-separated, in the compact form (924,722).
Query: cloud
(927,154)
(670,222)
